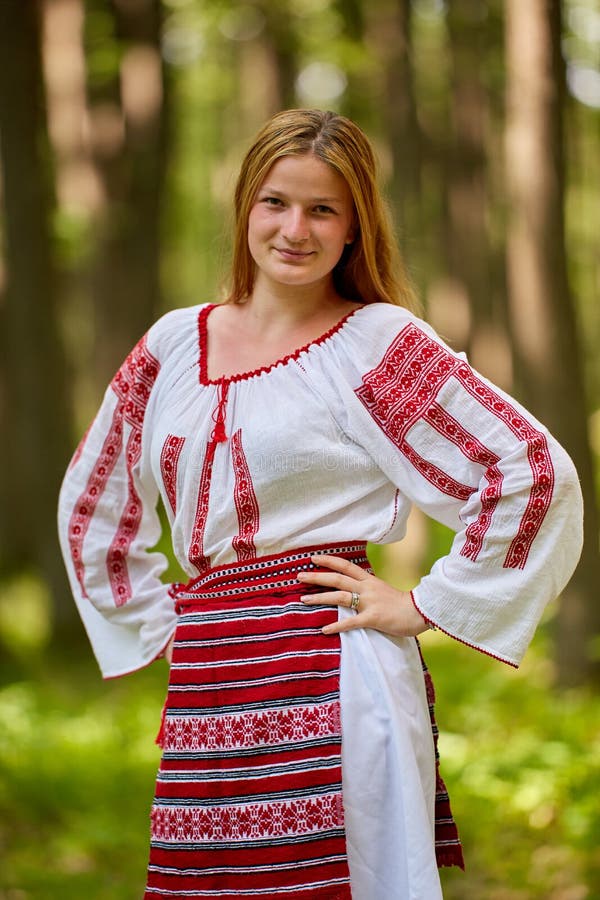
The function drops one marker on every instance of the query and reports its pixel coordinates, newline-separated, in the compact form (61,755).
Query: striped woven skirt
(249,801)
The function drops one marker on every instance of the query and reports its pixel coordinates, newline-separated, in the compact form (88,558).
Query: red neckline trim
(261,370)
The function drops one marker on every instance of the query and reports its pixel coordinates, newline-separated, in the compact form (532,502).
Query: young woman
(283,429)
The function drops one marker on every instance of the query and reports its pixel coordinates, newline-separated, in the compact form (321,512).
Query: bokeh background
(122,123)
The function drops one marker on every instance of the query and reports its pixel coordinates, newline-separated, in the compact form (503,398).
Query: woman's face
(300,222)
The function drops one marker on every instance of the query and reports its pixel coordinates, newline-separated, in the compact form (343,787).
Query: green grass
(77,764)
(523,767)
(78,760)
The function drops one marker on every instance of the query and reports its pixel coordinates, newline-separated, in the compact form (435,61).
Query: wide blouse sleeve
(108,521)
(471,457)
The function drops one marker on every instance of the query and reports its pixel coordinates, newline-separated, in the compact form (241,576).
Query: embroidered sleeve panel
(406,387)
(539,458)
(132,386)
(440,419)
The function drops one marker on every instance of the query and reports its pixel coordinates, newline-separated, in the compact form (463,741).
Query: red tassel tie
(218,434)
(160,737)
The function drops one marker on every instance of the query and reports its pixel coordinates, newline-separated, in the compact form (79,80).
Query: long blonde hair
(370,268)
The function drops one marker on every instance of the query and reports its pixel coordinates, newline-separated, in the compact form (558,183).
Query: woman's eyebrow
(271,190)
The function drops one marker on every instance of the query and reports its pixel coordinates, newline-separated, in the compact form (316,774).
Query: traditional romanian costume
(297,764)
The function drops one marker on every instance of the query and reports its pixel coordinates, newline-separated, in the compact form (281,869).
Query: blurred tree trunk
(467,242)
(390,27)
(281,43)
(357,101)
(266,70)
(128,113)
(36,415)
(542,310)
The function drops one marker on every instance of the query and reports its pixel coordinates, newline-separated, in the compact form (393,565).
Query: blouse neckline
(261,370)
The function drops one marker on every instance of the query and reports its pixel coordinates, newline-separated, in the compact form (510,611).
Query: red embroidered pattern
(196,552)
(474,450)
(235,731)
(402,388)
(442,481)
(116,558)
(86,504)
(132,384)
(248,821)
(246,503)
(540,462)
(169,459)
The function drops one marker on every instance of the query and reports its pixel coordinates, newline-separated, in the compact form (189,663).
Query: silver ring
(354,600)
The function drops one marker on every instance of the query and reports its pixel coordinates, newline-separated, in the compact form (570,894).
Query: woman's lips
(293,255)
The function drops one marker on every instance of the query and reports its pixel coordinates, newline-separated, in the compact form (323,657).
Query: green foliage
(523,769)
(77,767)
(77,763)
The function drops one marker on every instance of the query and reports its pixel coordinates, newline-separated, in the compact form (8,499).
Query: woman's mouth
(293,255)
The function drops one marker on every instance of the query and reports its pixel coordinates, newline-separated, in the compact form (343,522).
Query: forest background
(122,123)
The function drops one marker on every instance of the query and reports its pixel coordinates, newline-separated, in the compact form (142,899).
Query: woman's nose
(295,226)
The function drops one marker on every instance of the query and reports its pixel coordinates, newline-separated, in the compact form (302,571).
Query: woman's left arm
(473,458)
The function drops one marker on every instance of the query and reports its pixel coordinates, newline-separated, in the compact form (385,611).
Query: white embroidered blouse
(330,444)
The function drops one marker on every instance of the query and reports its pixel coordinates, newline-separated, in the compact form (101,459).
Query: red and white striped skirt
(249,800)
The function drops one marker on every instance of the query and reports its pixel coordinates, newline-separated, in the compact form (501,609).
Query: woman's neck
(283,307)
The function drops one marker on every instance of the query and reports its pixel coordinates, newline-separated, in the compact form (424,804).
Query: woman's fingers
(345,580)
(329,580)
(343,576)
(330,598)
(376,605)
(338,564)
(348,623)
(337,598)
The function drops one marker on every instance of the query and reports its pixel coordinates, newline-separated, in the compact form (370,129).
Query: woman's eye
(322,210)
(272,201)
